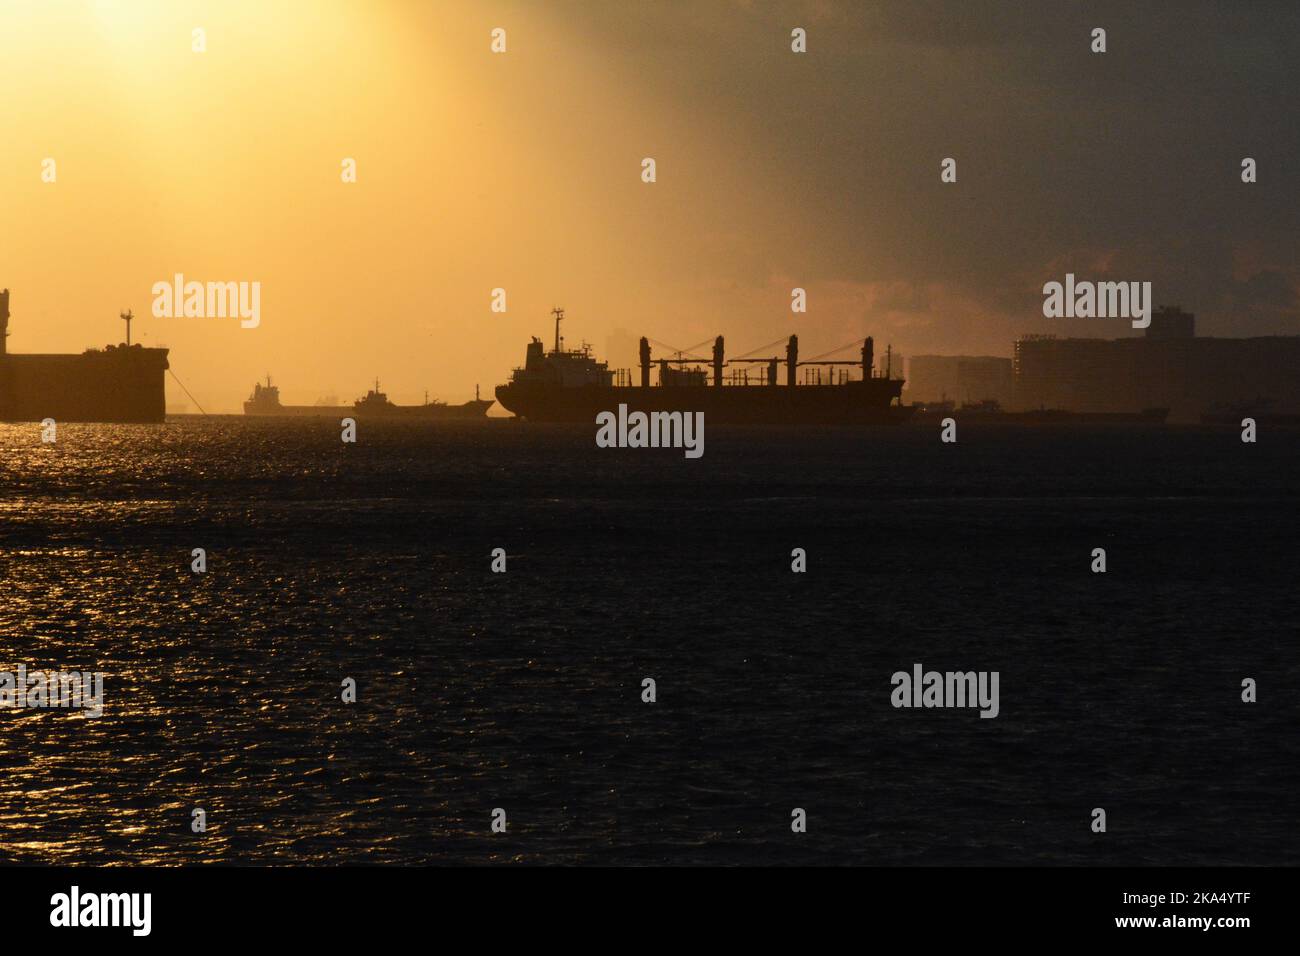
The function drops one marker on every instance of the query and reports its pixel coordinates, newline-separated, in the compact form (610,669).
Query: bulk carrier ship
(571,386)
(119,383)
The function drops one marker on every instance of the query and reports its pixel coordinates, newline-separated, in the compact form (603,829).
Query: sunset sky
(522,170)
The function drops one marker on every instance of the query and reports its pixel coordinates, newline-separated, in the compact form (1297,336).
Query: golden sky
(522,171)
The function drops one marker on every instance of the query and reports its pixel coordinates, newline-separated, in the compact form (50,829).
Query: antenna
(127,317)
(559,314)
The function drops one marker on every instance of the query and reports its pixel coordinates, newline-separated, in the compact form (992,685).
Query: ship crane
(868,349)
(684,360)
(772,364)
(865,362)
(772,361)
(791,360)
(683,356)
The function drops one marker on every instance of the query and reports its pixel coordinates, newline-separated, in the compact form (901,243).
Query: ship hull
(1049,416)
(296,411)
(117,384)
(851,403)
(476,408)
(471,409)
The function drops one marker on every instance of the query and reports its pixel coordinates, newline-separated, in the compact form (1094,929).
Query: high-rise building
(960,378)
(1167,367)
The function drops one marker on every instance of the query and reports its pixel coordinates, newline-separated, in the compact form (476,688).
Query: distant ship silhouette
(572,386)
(119,383)
(265,401)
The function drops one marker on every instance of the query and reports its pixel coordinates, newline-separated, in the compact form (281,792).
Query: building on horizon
(960,378)
(1167,367)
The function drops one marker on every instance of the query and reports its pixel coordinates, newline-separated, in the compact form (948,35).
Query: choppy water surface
(522,690)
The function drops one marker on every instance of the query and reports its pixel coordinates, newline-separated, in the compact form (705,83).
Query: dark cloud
(1061,152)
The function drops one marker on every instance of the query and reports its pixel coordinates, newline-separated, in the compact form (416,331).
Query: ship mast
(559,314)
(4,320)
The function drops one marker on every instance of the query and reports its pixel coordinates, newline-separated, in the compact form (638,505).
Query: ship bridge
(560,366)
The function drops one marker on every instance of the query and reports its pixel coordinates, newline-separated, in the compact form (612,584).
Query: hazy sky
(522,170)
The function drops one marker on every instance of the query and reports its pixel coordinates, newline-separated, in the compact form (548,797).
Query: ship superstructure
(118,383)
(265,400)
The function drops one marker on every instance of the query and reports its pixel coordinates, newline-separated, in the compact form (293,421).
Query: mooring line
(186,391)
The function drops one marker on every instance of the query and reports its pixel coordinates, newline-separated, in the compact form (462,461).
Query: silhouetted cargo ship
(376,404)
(265,400)
(119,383)
(990,412)
(571,386)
